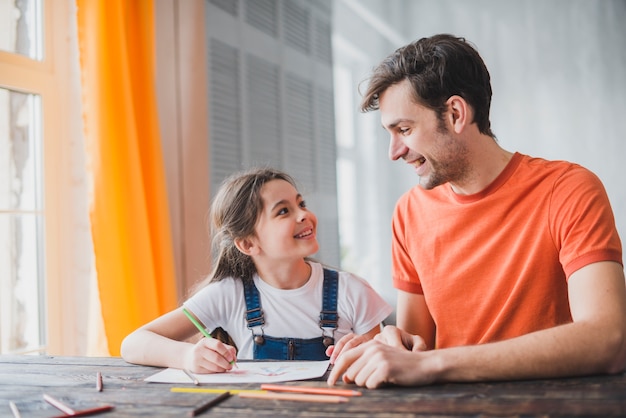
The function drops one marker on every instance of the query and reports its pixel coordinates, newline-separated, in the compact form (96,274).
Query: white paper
(250,372)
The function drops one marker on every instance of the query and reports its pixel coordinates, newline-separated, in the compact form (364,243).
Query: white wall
(558,73)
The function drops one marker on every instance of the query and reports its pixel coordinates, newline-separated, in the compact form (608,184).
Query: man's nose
(396,148)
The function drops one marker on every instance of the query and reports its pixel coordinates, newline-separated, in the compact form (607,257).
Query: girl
(263,291)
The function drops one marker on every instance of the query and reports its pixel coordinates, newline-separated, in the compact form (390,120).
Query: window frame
(50,79)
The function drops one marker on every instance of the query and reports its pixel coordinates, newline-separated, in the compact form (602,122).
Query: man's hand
(395,337)
(392,357)
(374,364)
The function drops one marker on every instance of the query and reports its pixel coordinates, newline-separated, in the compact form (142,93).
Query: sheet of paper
(250,372)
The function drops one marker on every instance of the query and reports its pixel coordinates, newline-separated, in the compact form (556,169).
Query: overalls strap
(254,313)
(287,348)
(328,315)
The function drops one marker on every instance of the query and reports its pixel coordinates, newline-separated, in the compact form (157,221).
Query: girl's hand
(346,342)
(350,341)
(209,355)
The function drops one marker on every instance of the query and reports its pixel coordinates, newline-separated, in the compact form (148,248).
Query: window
(21,209)
(21,222)
(45,246)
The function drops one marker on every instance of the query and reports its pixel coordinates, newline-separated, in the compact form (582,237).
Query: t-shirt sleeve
(362,304)
(582,221)
(403,270)
(212,303)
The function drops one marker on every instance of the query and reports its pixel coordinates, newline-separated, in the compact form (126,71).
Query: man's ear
(247,246)
(459,113)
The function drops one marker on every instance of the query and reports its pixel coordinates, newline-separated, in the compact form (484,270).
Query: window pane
(21,27)
(21,325)
(21,223)
(20,162)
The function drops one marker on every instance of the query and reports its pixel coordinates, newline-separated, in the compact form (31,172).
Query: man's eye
(404,130)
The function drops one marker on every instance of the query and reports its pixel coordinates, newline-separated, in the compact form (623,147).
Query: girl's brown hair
(234,214)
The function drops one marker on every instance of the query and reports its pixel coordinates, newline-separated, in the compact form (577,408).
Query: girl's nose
(302,214)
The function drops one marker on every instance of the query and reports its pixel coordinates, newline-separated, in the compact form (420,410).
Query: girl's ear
(247,246)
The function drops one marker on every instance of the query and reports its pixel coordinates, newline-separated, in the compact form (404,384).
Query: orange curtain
(129,212)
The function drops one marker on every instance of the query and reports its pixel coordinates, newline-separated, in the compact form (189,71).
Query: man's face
(420,138)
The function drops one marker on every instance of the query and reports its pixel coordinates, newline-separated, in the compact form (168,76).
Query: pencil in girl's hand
(196,323)
(200,327)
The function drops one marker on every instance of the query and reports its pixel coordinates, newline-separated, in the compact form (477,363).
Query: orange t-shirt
(494,265)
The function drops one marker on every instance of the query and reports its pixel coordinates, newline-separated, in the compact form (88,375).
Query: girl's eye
(283,211)
(303,204)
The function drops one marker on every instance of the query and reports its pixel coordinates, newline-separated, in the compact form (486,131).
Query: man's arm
(412,316)
(595,342)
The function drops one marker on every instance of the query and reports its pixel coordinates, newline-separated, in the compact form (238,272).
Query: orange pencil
(309,389)
(300,397)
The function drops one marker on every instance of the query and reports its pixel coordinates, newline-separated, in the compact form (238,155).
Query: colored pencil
(295,397)
(210,404)
(212,390)
(309,389)
(16,412)
(193,378)
(199,326)
(85,412)
(72,412)
(58,405)
(196,323)
(99,385)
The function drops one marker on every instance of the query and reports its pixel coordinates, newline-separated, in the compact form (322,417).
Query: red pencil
(69,412)
(309,389)
(90,411)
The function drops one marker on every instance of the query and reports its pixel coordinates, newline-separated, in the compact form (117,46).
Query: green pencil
(200,327)
(196,323)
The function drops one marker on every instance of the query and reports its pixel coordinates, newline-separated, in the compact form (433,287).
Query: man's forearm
(567,350)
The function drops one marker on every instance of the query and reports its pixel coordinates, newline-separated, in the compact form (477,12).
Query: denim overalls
(266,347)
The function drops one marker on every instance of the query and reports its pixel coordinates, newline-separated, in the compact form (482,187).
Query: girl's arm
(162,342)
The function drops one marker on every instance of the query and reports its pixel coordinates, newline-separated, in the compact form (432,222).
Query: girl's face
(285,228)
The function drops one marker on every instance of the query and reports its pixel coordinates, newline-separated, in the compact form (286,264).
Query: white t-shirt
(292,313)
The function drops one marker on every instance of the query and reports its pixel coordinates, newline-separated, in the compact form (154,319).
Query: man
(507,266)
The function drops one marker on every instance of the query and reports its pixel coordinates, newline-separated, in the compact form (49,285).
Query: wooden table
(24,380)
